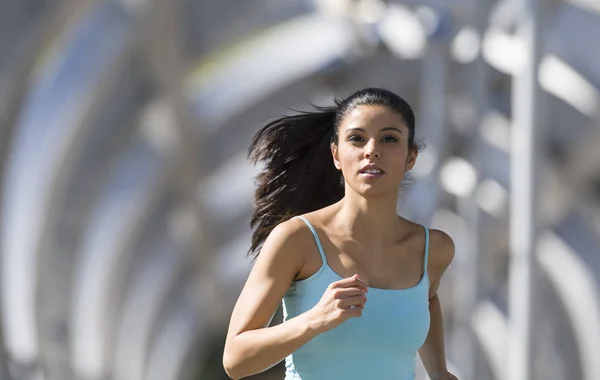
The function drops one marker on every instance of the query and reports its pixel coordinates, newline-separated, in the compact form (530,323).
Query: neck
(370,221)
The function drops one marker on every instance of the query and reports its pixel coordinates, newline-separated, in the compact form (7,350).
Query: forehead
(372,117)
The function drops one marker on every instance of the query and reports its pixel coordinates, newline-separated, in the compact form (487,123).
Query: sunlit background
(126,193)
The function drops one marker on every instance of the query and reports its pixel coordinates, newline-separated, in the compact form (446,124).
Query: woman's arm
(251,346)
(432,352)
(255,351)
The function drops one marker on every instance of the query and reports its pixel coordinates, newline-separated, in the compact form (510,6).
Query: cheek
(400,153)
(348,155)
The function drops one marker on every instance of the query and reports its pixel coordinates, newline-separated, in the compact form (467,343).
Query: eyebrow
(383,129)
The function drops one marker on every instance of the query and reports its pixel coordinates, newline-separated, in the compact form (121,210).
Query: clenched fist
(341,300)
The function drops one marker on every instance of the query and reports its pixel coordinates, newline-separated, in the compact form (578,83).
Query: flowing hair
(298,175)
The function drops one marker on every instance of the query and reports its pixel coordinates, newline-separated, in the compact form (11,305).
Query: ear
(412,159)
(335,155)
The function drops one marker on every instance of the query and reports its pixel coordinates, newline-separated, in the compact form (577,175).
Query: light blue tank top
(382,344)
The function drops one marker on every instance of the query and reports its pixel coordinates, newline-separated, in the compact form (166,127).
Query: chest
(392,320)
(394,325)
(394,267)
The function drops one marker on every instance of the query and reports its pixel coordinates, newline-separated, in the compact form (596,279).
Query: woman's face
(372,150)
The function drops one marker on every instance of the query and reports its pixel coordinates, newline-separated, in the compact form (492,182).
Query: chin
(373,192)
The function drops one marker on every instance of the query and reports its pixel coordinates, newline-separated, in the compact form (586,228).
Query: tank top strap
(314,232)
(426,250)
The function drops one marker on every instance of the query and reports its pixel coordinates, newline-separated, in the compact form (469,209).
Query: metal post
(165,52)
(524,193)
(432,114)
(16,77)
(469,264)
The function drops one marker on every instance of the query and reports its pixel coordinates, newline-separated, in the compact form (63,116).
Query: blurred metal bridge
(126,194)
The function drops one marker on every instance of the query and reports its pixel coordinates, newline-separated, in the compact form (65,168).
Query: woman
(358,282)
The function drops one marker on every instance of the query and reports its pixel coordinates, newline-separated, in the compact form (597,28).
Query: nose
(371,150)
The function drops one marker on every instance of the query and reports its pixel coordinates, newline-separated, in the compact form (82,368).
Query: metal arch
(328,44)
(579,293)
(433,115)
(18,66)
(142,305)
(208,23)
(106,254)
(175,338)
(570,28)
(585,156)
(15,77)
(565,42)
(43,142)
(56,261)
(588,5)
(582,160)
(16,73)
(470,262)
(159,24)
(490,326)
(110,132)
(227,192)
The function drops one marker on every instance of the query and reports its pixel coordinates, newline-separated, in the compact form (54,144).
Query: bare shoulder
(289,231)
(291,236)
(290,243)
(441,252)
(442,247)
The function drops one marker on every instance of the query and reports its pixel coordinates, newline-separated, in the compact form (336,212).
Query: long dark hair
(298,174)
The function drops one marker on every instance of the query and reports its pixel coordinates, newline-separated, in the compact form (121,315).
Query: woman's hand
(343,299)
(443,376)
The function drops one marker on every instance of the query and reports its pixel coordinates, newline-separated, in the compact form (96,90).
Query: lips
(371,172)
(371,169)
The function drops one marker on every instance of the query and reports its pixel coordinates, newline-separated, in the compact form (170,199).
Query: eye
(389,139)
(355,138)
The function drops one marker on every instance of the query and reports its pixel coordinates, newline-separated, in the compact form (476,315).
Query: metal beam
(579,292)
(143,302)
(38,159)
(160,27)
(526,141)
(469,263)
(106,256)
(175,338)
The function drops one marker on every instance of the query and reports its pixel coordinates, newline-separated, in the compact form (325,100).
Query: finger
(351,281)
(353,312)
(356,301)
(357,295)
(349,292)
(362,282)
